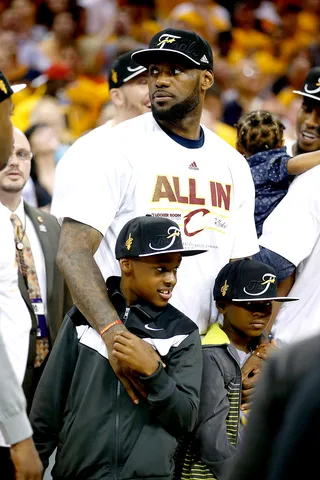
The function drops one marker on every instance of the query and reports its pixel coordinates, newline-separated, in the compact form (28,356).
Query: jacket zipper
(238,366)
(125,317)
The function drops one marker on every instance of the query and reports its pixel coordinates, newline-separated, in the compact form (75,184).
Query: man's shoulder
(42,218)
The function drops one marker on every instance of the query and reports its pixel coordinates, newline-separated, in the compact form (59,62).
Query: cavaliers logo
(129,242)
(224,288)
(3,87)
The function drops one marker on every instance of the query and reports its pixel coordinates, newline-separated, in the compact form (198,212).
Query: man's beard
(180,110)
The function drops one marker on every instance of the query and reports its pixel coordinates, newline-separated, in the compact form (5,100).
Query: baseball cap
(181,46)
(146,236)
(311,86)
(6,90)
(247,281)
(123,69)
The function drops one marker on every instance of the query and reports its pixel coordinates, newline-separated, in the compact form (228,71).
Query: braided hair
(259,131)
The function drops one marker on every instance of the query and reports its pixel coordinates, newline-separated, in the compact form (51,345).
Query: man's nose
(13,161)
(163,80)
(312,120)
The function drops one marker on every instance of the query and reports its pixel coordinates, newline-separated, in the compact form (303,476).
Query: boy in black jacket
(81,407)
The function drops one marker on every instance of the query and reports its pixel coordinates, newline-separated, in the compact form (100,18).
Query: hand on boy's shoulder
(130,350)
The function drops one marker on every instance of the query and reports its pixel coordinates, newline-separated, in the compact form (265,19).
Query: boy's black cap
(311,86)
(247,281)
(124,69)
(6,90)
(146,236)
(180,46)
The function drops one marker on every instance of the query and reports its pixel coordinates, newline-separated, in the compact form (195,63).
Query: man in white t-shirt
(291,234)
(128,85)
(163,164)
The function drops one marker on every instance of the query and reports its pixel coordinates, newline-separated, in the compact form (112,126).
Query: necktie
(28,271)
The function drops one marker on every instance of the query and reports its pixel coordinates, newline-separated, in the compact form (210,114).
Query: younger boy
(243,291)
(80,405)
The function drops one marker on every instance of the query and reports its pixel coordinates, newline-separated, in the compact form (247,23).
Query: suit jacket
(58,297)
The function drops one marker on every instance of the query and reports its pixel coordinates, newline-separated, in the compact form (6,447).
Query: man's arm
(78,244)
(14,423)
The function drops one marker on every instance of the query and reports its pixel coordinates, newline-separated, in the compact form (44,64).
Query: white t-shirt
(293,231)
(113,175)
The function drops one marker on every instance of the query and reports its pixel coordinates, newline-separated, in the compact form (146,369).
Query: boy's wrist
(151,369)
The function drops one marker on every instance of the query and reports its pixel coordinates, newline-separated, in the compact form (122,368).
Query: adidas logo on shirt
(193,166)
(204,59)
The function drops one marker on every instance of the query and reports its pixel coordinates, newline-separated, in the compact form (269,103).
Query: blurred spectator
(211,116)
(62,34)
(294,78)
(248,83)
(98,13)
(129,93)
(44,143)
(205,17)
(48,111)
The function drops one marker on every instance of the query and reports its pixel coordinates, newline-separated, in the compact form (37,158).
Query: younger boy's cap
(247,281)
(311,86)
(180,46)
(124,69)
(146,236)
(6,90)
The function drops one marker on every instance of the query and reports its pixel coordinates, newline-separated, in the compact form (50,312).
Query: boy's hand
(26,460)
(135,353)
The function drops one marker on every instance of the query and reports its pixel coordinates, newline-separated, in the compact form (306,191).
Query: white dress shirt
(15,321)
(37,251)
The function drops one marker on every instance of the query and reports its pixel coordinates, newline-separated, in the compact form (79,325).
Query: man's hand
(251,371)
(26,460)
(121,370)
(265,349)
(130,350)
(248,385)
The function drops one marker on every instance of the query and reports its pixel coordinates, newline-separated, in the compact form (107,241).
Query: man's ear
(117,97)
(221,306)
(207,80)
(126,265)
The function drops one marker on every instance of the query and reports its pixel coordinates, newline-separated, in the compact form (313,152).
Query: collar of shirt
(19,211)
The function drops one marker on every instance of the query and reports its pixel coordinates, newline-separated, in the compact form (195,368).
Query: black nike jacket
(81,407)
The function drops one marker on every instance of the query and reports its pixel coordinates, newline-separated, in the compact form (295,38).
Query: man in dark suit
(36,232)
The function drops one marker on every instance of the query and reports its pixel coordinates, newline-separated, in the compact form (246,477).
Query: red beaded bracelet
(110,325)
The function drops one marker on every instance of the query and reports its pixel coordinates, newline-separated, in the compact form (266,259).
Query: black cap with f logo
(146,236)
(179,46)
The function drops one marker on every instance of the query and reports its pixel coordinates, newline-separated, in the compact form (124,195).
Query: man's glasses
(23,155)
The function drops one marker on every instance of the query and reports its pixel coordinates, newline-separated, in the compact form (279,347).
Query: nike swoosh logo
(153,329)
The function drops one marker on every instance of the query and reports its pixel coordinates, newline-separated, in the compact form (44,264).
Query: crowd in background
(63,50)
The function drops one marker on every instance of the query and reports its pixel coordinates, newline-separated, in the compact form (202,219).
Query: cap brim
(304,94)
(276,299)
(135,74)
(18,88)
(152,55)
(184,253)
